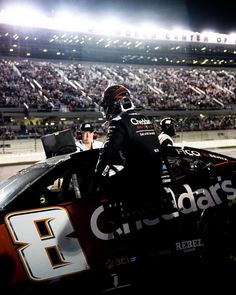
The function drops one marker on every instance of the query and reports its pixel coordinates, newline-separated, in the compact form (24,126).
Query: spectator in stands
(167,132)
(86,138)
(132,138)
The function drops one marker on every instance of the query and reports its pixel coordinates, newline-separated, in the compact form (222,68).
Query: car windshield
(12,186)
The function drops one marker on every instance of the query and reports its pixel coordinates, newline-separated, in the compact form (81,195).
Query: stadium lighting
(23,16)
(29,16)
(232,38)
(148,31)
(67,21)
(108,26)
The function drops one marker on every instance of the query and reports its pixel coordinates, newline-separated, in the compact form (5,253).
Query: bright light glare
(147,30)
(28,16)
(23,15)
(108,26)
(64,20)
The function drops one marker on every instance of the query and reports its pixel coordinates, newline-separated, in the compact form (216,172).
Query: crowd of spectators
(71,86)
(74,86)
(21,131)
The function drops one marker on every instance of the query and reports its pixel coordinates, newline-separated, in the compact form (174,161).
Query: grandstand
(53,79)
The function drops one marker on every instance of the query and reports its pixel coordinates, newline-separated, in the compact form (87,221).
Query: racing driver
(132,138)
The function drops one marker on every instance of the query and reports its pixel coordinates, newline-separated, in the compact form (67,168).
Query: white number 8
(46,247)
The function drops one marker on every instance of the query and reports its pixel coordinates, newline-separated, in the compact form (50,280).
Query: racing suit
(165,139)
(131,138)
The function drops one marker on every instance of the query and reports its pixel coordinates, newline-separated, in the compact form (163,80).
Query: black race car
(55,234)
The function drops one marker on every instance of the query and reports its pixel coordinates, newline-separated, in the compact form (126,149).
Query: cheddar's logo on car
(187,202)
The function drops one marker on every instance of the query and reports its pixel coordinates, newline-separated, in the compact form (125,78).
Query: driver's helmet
(116,99)
(168,126)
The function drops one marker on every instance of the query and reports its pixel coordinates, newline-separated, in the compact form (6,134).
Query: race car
(54,233)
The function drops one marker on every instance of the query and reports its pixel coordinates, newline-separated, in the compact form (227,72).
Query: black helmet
(116,99)
(168,126)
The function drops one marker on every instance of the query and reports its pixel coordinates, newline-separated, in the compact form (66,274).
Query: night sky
(197,15)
